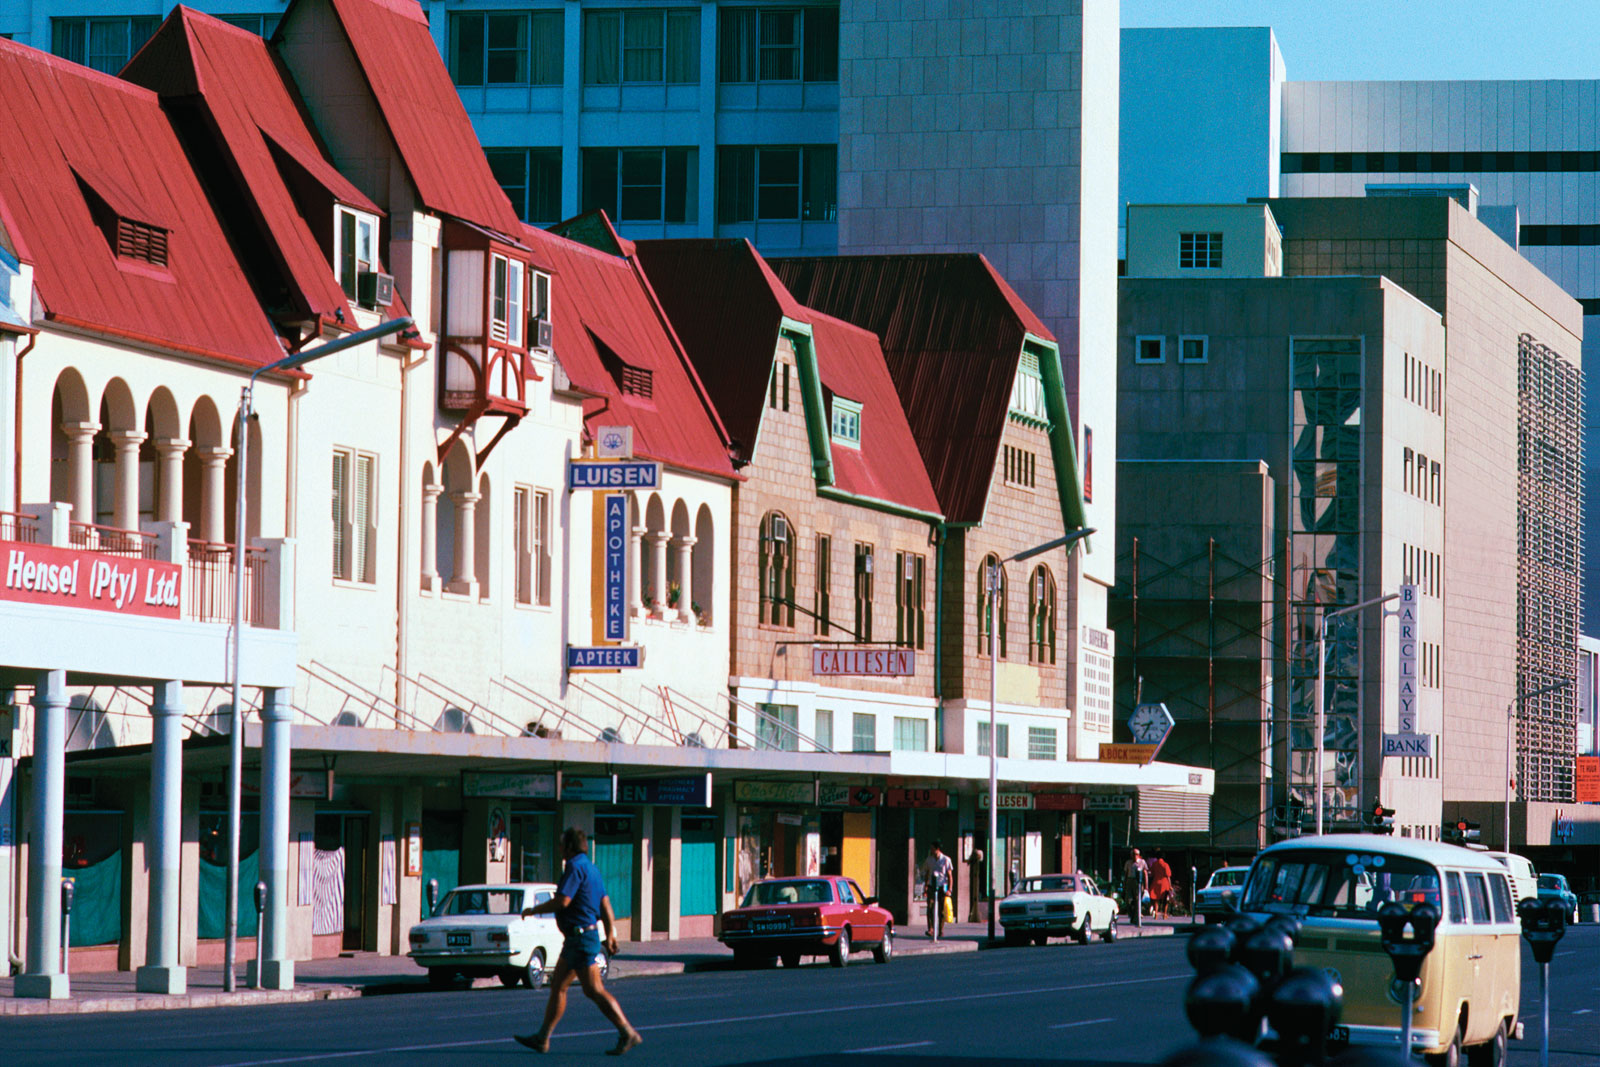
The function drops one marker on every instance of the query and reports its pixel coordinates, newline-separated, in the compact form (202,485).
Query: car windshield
(1346,885)
(1059,883)
(807,892)
(1552,881)
(481,902)
(1226,878)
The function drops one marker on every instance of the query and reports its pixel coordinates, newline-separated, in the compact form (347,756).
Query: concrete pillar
(658,570)
(685,582)
(674,881)
(9,713)
(41,976)
(125,505)
(636,571)
(465,578)
(277,967)
(214,494)
(80,467)
(644,874)
(162,972)
(169,508)
(430,535)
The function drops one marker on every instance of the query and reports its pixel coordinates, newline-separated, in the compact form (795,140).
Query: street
(1068,1004)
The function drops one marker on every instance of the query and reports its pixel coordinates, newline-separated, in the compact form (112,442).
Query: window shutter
(1172,811)
(541,534)
(341,482)
(361,562)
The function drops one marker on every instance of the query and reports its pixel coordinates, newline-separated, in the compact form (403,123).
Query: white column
(658,570)
(162,972)
(213,493)
(125,507)
(276,966)
(80,465)
(41,977)
(685,583)
(465,579)
(171,449)
(430,536)
(636,575)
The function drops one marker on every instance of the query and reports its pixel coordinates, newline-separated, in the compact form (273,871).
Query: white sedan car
(1057,905)
(478,931)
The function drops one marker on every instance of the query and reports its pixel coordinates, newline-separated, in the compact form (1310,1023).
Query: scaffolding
(1549,562)
(1198,634)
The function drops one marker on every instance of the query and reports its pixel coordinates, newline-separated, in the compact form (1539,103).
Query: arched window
(1042,617)
(777,570)
(984,614)
(702,567)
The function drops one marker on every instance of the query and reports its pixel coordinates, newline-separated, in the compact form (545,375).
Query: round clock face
(1148,725)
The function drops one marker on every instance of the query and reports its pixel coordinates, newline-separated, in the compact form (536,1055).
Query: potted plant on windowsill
(699,615)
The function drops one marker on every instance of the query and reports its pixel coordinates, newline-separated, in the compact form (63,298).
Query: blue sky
(1338,40)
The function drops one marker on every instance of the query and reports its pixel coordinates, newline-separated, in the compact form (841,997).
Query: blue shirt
(582,885)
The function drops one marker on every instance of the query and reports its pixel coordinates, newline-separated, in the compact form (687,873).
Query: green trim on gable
(831,492)
(1063,445)
(818,432)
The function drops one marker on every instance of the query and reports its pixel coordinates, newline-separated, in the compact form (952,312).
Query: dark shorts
(582,950)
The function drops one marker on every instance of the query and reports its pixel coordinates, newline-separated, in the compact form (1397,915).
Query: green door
(698,881)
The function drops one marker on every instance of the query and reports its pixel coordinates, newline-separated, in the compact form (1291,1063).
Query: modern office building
(1396,403)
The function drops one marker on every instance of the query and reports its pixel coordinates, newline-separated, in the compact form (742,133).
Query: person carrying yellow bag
(936,873)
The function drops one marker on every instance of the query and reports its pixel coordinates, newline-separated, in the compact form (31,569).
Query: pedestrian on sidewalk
(936,872)
(581,908)
(1135,880)
(1160,885)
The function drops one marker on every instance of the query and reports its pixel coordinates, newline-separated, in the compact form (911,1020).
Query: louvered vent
(636,381)
(140,240)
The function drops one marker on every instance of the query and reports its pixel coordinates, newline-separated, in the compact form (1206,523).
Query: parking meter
(1217,1052)
(1223,1003)
(1305,1008)
(1288,924)
(1407,936)
(1544,923)
(68,887)
(1241,927)
(1268,954)
(433,895)
(261,910)
(1210,948)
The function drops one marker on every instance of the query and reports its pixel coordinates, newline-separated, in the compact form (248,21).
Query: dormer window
(539,312)
(355,247)
(846,422)
(505,301)
(129,236)
(1027,391)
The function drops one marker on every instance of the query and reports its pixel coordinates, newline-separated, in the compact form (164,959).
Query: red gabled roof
(727,306)
(423,111)
(66,127)
(604,315)
(254,112)
(952,331)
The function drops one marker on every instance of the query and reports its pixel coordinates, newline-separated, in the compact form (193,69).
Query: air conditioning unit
(911,569)
(375,288)
(541,333)
(780,528)
(866,563)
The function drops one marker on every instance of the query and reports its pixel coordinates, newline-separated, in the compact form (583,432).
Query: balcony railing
(14,527)
(209,583)
(111,541)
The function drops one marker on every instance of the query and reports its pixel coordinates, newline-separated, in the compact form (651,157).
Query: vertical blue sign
(616,566)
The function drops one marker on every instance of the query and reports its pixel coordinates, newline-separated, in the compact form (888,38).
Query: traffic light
(1461,832)
(1382,820)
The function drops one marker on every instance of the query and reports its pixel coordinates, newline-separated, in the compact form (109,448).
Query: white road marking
(1081,1022)
(1580,1011)
(829,1010)
(885,1048)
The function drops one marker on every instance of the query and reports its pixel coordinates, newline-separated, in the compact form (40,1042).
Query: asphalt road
(1066,1004)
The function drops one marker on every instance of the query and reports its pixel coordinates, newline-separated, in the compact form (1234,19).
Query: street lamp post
(1320,725)
(236,714)
(993,577)
(1514,712)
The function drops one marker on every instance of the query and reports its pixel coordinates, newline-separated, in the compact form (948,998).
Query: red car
(820,916)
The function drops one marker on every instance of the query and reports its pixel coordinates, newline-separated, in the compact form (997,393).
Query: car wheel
(1015,938)
(1492,1053)
(510,977)
(441,977)
(533,973)
(1451,1056)
(1110,933)
(839,955)
(1083,932)
(791,959)
(885,947)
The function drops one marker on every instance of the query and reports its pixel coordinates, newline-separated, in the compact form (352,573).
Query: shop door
(832,823)
(698,885)
(441,851)
(613,854)
(534,855)
(1014,841)
(355,880)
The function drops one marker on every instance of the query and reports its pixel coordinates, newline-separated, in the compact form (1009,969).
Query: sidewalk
(365,974)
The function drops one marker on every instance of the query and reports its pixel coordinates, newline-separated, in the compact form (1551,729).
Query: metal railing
(756,739)
(21,528)
(550,718)
(355,703)
(208,585)
(629,716)
(473,715)
(112,541)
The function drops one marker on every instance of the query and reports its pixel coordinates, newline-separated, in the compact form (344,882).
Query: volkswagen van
(1466,1001)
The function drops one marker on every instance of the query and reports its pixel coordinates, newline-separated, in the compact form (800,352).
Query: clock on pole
(1150,724)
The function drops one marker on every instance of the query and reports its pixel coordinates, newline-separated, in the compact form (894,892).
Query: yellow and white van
(1467,999)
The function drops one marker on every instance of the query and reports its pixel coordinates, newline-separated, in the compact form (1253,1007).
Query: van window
(1478,893)
(1458,901)
(1504,912)
(1348,885)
